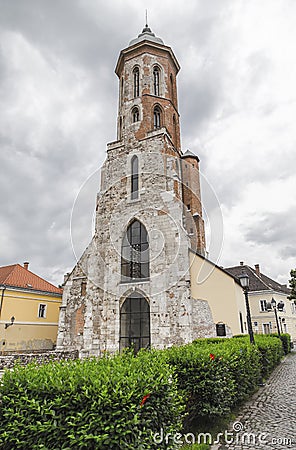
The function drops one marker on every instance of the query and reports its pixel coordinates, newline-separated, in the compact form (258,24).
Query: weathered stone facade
(91,318)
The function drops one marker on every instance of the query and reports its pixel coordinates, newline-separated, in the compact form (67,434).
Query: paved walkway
(268,420)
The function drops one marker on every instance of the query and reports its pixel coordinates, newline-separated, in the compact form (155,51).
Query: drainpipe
(2,297)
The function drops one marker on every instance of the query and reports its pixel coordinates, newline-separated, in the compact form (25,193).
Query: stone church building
(137,283)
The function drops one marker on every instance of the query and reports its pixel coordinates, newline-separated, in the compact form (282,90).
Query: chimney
(241,263)
(26,265)
(66,276)
(257,268)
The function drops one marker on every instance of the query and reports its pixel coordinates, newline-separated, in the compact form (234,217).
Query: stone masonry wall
(10,360)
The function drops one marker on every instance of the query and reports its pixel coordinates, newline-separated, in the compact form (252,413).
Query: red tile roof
(17,276)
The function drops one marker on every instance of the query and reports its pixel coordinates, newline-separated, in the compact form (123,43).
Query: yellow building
(262,290)
(223,294)
(29,310)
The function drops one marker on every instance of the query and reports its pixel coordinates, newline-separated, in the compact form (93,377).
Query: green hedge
(215,375)
(271,351)
(119,402)
(90,404)
(286,341)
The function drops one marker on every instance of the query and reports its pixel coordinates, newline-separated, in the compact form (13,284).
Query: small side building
(221,292)
(29,310)
(261,291)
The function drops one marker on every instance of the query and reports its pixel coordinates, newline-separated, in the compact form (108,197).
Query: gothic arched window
(157,117)
(135,322)
(135,253)
(134,177)
(156,79)
(135,114)
(136,76)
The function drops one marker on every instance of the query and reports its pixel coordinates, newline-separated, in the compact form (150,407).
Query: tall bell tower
(131,286)
(147,71)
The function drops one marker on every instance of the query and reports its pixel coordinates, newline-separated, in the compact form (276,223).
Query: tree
(292,283)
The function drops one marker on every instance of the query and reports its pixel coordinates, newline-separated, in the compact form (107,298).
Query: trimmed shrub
(286,341)
(109,403)
(204,380)
(271,353)
(215,376)
(244,364)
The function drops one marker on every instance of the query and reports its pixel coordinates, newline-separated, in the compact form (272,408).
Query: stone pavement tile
(268,420)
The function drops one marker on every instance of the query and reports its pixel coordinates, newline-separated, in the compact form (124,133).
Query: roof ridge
(17,275)
(260,279)
(40,278)
(263,282)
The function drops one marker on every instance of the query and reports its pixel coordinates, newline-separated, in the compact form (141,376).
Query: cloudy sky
(58,107)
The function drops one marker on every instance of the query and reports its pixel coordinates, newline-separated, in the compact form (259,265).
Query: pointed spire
(146,34)
(146,28)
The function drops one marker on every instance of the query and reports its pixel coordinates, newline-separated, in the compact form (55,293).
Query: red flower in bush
(212,356)
(144,399)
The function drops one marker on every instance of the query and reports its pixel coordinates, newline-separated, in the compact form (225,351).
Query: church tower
(131,286)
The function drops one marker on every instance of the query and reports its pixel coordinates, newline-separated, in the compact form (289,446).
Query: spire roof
(146,35)
(190,154)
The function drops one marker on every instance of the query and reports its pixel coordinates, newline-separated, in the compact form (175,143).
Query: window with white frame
(42,310)
(266,328)
(263,305)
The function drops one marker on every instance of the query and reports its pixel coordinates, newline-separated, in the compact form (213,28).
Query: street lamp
(272,304)
(245,281)
(11,322)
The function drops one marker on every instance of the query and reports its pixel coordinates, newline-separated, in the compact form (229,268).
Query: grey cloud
(274,228)
(288,252)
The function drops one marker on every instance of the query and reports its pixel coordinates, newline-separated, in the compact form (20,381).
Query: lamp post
(245,281)
(273,304)
(11,322)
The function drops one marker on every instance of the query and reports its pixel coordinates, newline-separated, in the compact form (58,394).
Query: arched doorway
(135,322)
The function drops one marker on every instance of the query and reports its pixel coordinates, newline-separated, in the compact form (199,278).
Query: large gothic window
(135,322)
(157,117)
(136,76)
(156,78)
(135,253)
(134,177)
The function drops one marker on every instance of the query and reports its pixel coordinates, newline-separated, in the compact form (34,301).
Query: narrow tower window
(136,75)
(157,117)
(122,85)
(156,77)
(175,128)
(135,114)
(172,87)
(135,177)
(135,253)
(120,129)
